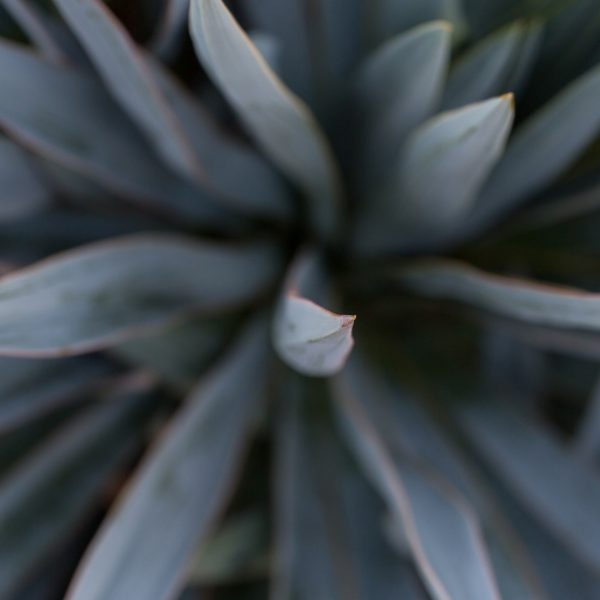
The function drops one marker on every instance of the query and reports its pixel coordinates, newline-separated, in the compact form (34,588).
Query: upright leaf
(439,174)
(281,123)
(182,485)
(104,293)
(543,147)
(170,31)
(398,87)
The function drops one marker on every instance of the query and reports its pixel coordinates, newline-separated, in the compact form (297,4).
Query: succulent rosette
(299,299)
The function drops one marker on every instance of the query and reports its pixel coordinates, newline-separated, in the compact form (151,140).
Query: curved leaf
(557,487)
(534,302)
(170,32)
(128,78)
(441,532)
(104,293)
(312,340)
(398,87)
(543,147)
(22,190)
(168,507)
(281,123)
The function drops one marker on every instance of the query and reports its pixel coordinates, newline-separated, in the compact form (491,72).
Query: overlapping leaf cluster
(187,192)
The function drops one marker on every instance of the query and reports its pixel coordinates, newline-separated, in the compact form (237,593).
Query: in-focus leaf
(530,301)
(311,339)
(280,122)
(181,487)
(105,293)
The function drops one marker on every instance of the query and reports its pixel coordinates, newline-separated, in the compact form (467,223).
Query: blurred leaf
(121,65)
(587,442)
(310,339)
(29,17)
(530,301)
(280,122)
(181,487)
(398,87)
(489,68)
(234,552)
(542,148)
(67,117)
(170,32)
(178,353)
(237,173)
(31,389)
(46,495)
(555,486)
(329,543)
(442,533)
(100,295)
(22,190)
(285,20)
(389,17)
(440,171)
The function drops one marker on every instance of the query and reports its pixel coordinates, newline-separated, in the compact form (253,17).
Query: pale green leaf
(534,302)
(280,122)
(181,486)
(104,293)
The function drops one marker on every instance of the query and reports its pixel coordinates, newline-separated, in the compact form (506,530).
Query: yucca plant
(184,201)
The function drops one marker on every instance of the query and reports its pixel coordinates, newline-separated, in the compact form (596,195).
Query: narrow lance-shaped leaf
(122,66)
(170,32)
(281,123)
(329,537)
(241,177)
(68,118)
(530,301)
(397,88)
(309,338)
(32,389)
(440,171)
(22,190)
(441,532)
(99,295)
(46,495)
(143,547)
(488,69)
(554,485)
(543,147)
(29,17)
